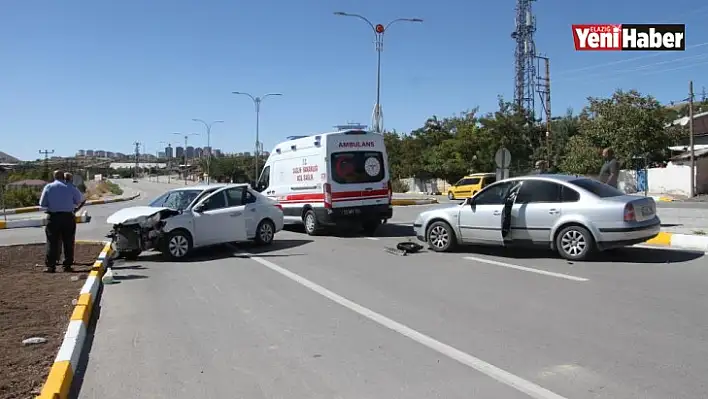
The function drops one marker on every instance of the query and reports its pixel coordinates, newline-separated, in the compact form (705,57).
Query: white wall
(673,179)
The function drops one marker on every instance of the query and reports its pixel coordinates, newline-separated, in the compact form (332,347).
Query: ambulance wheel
(312,226)
(370,226)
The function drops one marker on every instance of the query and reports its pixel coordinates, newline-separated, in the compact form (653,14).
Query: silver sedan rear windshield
(602,190)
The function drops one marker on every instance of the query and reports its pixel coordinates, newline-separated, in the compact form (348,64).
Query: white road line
(505,377)
(372,238)
(526,269)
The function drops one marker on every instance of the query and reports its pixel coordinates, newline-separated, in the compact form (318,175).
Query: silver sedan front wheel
(441,238)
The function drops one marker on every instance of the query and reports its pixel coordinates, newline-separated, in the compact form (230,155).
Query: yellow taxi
(470,185)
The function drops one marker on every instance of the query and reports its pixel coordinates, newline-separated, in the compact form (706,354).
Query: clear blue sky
(101,74)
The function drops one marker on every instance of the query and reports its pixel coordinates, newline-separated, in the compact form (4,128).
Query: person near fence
(60,199)
(609,173)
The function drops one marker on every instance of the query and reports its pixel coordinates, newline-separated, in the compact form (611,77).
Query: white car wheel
(265,232)
(177,246)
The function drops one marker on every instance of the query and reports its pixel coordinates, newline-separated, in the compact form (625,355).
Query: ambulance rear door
(357,169)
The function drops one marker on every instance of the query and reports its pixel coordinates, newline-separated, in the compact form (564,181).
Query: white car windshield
(177,199)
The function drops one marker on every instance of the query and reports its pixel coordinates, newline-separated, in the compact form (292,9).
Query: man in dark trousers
(609,174)
(60,200)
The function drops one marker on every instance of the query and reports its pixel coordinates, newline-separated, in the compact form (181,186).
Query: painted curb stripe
(23,223)
(61,374)
(30,209)
(404,202)
(663,238)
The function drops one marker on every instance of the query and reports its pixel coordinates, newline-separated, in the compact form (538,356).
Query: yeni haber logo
(637,37)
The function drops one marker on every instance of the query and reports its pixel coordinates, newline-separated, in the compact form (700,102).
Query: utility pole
(46,154)
(544,90)
(691,191)
(137,159)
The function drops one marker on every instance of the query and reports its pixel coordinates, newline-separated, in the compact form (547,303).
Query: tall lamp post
(257,102)
(379,30)
(186,138)
(208,126)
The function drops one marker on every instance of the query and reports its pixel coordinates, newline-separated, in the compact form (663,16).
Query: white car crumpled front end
(138,229)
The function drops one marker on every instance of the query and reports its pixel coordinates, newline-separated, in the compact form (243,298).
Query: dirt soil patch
(35,304)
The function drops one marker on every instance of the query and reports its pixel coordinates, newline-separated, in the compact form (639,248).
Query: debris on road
(404,248)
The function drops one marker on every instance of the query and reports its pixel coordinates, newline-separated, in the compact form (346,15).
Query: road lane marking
(505,377)
(526,269)
(372,238)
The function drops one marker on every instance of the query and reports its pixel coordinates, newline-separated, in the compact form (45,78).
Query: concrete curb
(410,201)
(30,209)
(62,373)
(18,224)
(681,241)
(656,198)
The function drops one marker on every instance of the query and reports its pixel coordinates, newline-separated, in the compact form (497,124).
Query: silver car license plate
(647,210)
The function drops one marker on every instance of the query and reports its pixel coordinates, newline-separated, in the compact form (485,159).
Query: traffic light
(380,28)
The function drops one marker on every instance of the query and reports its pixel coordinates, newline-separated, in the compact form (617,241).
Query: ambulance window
(357,167)
(265,177)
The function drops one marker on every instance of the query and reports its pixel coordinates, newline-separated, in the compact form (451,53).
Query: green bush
(399,186)
(114,188)
(21,197)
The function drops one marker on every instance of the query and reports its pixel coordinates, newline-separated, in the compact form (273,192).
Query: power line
(648,73)
(635,69)
(611,63)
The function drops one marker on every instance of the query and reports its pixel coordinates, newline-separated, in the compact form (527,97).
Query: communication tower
(525,78)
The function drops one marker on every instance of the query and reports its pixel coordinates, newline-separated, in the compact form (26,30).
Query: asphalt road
(338,317)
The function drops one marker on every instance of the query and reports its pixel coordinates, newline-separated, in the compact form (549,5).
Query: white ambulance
(330,179)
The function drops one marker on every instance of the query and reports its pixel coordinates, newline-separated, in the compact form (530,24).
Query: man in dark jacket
(609,173)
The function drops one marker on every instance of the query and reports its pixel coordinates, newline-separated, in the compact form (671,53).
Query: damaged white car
(191,217)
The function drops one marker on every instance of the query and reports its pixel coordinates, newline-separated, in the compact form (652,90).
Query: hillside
(7,158)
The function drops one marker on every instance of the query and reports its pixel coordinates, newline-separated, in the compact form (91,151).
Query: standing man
(609,173)
(60,200)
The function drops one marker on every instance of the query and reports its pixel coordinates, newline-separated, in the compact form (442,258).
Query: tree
(632,124)
(581,156)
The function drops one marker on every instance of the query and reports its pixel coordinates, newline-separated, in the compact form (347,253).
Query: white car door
(481,220)
(216,222)
(239,198)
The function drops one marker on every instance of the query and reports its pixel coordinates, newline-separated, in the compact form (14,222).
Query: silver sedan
(574,215)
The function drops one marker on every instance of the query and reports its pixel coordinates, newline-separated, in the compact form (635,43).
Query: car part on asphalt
(409,247)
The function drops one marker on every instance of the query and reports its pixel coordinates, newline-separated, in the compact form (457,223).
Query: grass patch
(113,188)
(97,190)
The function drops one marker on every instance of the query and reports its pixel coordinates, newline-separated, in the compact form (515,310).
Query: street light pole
(379,30)
(257,103)
(186,138)
(208,132)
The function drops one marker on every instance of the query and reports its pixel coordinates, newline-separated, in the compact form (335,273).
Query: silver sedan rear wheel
(575,243)
(441,238)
